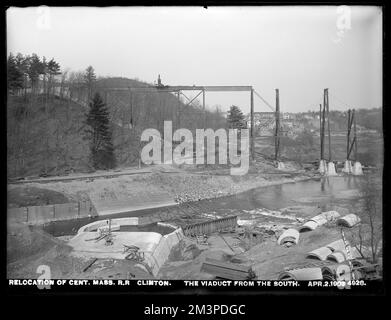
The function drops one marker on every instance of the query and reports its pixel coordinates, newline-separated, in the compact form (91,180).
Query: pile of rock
(198,194)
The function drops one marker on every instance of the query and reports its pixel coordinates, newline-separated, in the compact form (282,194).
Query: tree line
(26,71)
(34,77)
(42,101)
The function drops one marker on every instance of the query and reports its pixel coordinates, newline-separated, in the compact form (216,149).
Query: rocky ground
(254,243)
(181,184)
(28,248)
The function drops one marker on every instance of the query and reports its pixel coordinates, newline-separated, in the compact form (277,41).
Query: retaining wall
(56,212)
(155,254)
(160,255)
(17,215)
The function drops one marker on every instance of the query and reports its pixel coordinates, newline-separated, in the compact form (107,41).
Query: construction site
(217,166)
(179,222)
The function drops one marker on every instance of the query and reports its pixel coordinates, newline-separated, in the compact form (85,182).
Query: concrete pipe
(337,245)
(337,256)
(308,226)
(330,215)
(290,233)
(330,272)
(304,274)
(349,220)
(321,253)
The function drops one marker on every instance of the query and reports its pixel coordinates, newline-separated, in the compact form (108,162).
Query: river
(341,190)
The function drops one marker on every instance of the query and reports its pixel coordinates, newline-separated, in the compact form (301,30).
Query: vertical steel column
(323,128)
(252,123)
(277,133)
(355,135)
(348,135)
(178,120)
(321,131)
(203,108)
(328,121)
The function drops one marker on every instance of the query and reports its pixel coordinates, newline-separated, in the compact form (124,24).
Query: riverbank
(180,186)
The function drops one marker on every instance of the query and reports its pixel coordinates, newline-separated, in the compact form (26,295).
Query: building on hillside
(260,117)
(264,123)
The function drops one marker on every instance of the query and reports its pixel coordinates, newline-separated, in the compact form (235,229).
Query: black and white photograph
(198,147)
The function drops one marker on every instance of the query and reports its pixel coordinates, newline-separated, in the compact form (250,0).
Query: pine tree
(89,79)
(36,68)
(99,134)
(235,118)
(14,75)
(22,65)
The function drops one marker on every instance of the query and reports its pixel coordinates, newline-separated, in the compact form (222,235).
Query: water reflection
(322,184)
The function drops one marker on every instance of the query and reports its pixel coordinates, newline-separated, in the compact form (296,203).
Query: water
(310,192)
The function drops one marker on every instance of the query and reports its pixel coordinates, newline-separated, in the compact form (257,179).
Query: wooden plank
(89,263)
(215,270)
(227,265)
(231,271)
(224,273)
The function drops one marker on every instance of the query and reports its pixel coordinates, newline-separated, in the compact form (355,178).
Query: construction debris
(320,253)
(321,219)
(134,253)
(289,237)
(208,227)
(113,227)
(335,251)
(224,270)
(350,220)
(304,274)
(88,264)
(326,270)
(202,239)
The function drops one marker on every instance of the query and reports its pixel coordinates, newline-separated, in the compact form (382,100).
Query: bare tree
(367,237)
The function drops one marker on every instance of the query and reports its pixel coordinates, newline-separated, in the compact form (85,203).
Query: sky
(298,49)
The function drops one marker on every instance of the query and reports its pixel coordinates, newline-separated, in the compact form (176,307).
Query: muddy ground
(28,248)
(182,184)
(252,243)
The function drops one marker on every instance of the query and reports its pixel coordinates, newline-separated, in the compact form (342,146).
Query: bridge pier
(357,169)
(331,169)
(322,167)
(347,168)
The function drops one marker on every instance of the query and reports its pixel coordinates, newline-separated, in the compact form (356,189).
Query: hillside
(44,136)
(45,133)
